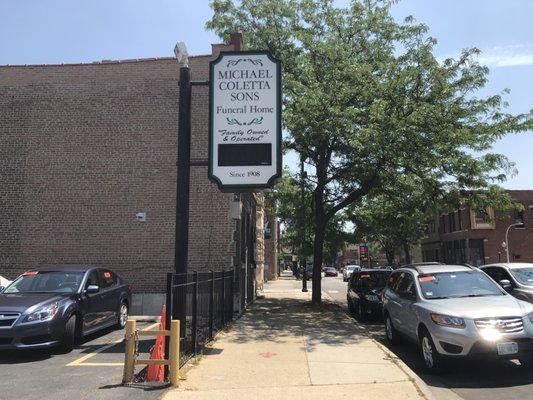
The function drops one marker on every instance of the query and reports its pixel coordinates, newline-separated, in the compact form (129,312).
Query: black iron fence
(209,305)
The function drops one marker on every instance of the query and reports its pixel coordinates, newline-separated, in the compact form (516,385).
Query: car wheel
(69,336)
(390,331)
(122,315)
(432,359)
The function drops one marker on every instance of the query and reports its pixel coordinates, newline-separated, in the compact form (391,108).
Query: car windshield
(523,275)
(374,280)
(446,285)
(351,267)
(46,282)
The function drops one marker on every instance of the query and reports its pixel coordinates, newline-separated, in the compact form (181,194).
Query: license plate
(507,348)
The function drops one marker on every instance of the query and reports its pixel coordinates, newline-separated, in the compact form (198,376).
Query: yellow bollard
(129,354)
(174,353)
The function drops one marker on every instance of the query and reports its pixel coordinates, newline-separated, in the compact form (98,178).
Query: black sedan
(57,305)
(364,292)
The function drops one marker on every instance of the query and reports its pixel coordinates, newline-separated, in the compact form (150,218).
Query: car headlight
(448,321)
(45,313)
(530,316)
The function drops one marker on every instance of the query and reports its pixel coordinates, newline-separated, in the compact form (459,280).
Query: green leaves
(368,104)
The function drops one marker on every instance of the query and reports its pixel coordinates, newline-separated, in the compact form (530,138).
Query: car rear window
(374,280)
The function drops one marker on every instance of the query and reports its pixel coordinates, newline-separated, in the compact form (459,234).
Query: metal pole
(302,222)
(195,314)
(168,316)
(211,303)
(246,275)
(507,238)
(223,297)
(182,194)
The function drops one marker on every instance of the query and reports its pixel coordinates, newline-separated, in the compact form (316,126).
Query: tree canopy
(366,101)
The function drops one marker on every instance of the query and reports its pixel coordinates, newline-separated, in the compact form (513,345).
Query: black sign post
(182,195)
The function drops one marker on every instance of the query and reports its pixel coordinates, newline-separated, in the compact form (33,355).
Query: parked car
(56,305)
(330,271)
(515,278)
(4,283)
(364,292)
(452,312)
(347,272)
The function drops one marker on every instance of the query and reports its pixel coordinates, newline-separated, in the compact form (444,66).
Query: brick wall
(83,149)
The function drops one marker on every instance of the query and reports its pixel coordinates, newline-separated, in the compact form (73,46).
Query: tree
(366,102)
(286,196)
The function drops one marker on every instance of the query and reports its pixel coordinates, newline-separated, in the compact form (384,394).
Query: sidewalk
(284,348)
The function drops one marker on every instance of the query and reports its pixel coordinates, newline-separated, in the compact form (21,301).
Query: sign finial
(180,50)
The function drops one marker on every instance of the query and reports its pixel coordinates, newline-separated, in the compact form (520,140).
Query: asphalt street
(92,371)
(482,380)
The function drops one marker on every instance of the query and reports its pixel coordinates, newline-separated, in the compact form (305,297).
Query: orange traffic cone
(156,373)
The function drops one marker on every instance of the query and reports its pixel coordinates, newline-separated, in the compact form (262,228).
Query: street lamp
(517,224)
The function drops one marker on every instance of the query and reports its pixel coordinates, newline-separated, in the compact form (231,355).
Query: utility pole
(302,222)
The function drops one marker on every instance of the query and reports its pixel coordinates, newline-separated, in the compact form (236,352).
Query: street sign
(244,120)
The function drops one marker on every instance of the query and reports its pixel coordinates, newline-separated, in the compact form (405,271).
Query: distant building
(464,236)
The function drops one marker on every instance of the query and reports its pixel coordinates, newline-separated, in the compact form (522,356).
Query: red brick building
(462,236)
(88,172)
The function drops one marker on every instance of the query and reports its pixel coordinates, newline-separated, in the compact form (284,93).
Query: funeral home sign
(245,120)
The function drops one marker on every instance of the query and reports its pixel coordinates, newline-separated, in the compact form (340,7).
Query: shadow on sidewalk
(277,319)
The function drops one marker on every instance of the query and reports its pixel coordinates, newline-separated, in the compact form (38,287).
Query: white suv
(453,311)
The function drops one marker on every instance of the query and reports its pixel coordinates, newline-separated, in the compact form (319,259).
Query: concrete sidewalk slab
(285,348)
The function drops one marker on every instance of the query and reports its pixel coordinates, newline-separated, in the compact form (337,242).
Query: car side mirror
(506,285)
(92,289)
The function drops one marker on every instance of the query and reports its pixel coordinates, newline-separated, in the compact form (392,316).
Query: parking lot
(93,370)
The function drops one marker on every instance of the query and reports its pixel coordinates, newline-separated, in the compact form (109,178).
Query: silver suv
(454,311)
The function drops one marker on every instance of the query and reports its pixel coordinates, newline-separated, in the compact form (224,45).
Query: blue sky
(67,31)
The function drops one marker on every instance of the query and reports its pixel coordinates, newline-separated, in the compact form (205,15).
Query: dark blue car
(57,305)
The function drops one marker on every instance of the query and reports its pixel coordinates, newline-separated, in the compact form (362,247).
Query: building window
(519,217)
(430,227)
(442,224)
(482,219)
(531,211)
(451,221)
(460,219)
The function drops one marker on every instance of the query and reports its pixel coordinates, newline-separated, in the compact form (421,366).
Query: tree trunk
(390,255)
(318,254)
(407,252)
(320,234)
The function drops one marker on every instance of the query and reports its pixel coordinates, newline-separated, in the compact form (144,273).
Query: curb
(419,384)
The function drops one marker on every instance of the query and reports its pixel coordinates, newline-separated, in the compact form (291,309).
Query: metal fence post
(232,291)
(168,315)
(195,314)
(211,303)
(223,297)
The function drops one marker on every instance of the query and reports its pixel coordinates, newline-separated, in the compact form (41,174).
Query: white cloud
(507,56)
(503,56)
